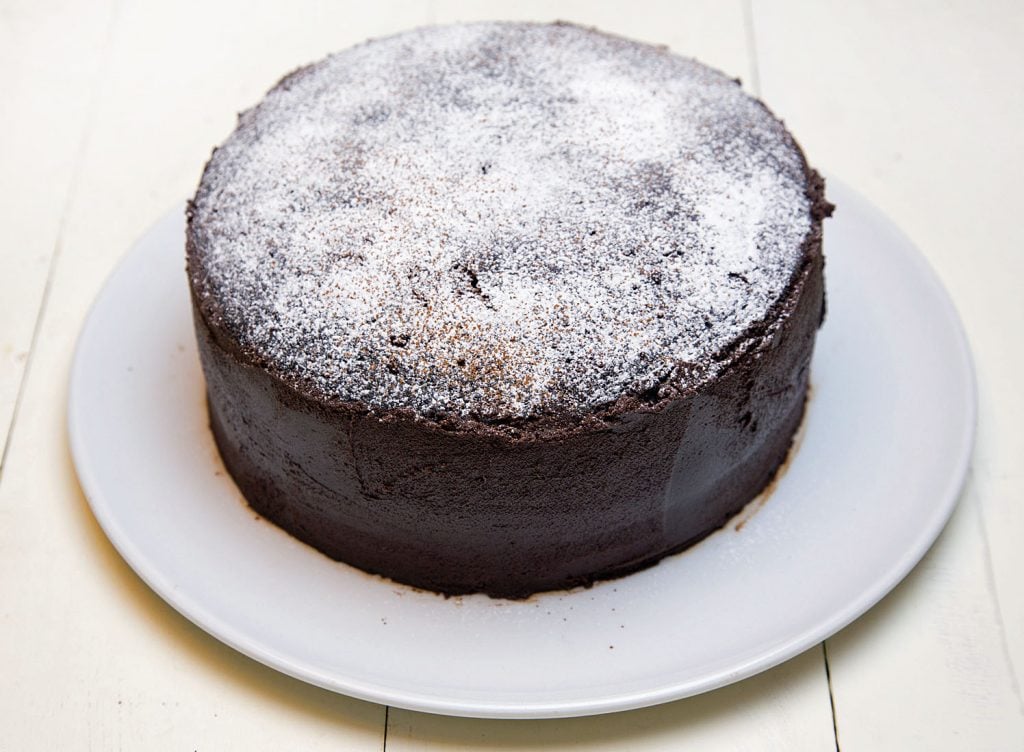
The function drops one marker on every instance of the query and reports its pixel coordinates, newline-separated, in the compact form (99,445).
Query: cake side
(480,511)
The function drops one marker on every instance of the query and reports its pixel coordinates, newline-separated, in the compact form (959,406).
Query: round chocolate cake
(505,307)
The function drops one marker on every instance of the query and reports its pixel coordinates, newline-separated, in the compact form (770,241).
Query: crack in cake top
(498,221)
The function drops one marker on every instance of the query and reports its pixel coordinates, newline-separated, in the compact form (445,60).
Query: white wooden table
(109,109)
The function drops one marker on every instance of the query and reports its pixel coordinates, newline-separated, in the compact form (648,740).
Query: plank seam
(993,591)
(831,694)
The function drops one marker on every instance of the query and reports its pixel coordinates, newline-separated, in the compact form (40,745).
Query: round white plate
(885,449)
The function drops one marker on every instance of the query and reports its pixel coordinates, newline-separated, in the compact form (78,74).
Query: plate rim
(805,639)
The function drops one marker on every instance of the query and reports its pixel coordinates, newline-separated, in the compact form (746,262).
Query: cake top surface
(498,221)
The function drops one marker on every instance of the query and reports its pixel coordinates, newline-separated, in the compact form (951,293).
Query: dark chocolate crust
(509,508)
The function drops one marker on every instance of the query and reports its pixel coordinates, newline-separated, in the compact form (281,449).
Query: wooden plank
(50,58)
(91,658)
(920,107)
(787,708)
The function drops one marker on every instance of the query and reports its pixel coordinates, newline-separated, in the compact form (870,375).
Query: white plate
(884,453)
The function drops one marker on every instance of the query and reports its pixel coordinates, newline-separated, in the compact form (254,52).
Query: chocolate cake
(505,307)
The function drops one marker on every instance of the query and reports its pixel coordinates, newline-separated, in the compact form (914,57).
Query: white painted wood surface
(44,127)
(110,110)
(922,107)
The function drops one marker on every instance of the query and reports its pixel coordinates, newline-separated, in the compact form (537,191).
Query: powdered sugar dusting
(498,221)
